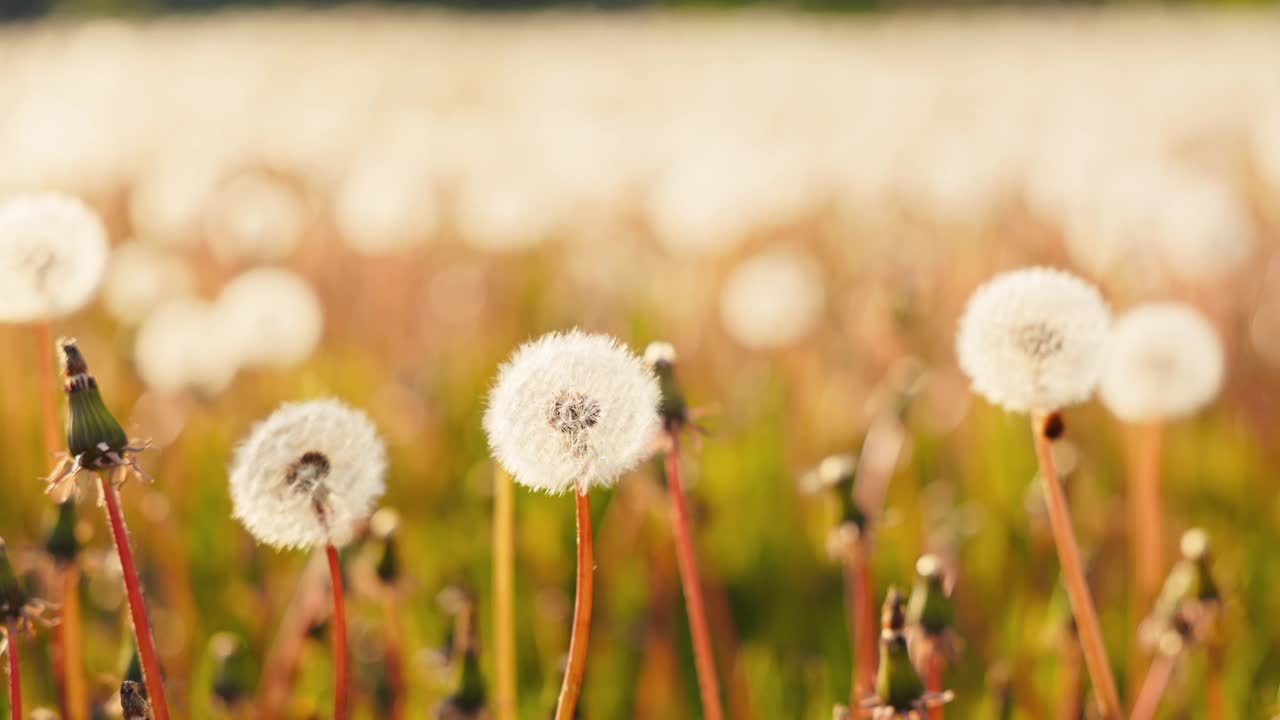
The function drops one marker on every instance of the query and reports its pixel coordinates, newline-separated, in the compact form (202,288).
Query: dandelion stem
(137,609)
(340,691)
(704,658)
(504,621)
(1153,687)
(581,614)
(1095,652)
(74,695)
(1215,695)
(393,655)
(15,678)
(933,666)
(1069,679)
(861,590)
(1145,505)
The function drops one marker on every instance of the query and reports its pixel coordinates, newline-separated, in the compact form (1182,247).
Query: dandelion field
(381,206)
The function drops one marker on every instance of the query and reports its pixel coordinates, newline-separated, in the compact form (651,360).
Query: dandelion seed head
(1032,339)
(272,316)
(1163,361)
(53,252)
(773,299)
(572,410)
(308,474)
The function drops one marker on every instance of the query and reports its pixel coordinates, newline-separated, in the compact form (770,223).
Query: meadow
(382,206)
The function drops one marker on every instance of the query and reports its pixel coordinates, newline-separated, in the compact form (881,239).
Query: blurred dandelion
(139,278)
(255,217)
(271,317)
(572,411)
(304,478)
(899,693)
(1163,361)
(53,253)
(773,299)
(182,345)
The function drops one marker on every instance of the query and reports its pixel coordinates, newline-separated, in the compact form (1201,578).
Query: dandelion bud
(385,525)
(62,544)
(1031,340)
(468,701)
(132,702)
(1188,596)
(308,474)
(661,357)
(231,671)
(13,598)
(94,437)
(572,410)
(898,685)
(929,608)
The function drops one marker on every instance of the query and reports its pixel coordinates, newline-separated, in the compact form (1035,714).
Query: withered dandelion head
(572,410)
(308,474)
(1032,339)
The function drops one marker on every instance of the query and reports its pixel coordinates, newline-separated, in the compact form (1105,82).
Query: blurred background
(380,203)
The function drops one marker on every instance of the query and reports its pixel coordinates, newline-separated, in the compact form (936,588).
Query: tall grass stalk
(15,677)
(1045,429)
(1070,678)
(580,634)
(69,639)
(703,654)
(48,395)
(504,620)
(151,674)
(341,691)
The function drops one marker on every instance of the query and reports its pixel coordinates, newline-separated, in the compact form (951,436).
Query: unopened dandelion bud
(94,437)
(1195,550)
(61,543)
(13,598)
(385,526)
(468,701)
(930,608)
(231,671)
(132,702)
(898,685)
(672,407)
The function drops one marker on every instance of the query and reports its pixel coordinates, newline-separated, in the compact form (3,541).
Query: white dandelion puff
(308,474)
(572,410)
(139,278)
(1163,361)
(273,318)
(773,299)
(53,252)
(1032,339)
(182,346)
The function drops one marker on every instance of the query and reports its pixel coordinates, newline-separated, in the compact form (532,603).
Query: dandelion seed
(306,475)
(53,251)
(1163,361)
(272,318)
(772,300)
(1032,340)
(572,410)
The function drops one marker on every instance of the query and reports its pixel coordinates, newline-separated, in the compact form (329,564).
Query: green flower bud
(93,435)
(385,525)
(674,410)
(61,543)
(232,671)
(898,685)
(929,608)
(13,598)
